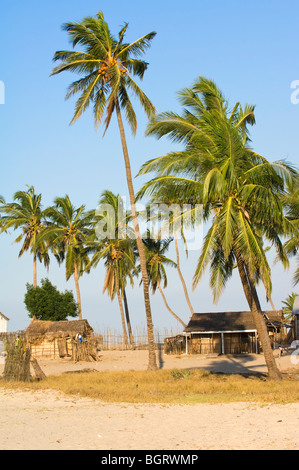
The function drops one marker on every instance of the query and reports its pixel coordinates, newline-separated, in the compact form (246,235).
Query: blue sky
(251,51)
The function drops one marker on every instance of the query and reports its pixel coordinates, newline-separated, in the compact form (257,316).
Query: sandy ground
(48,420)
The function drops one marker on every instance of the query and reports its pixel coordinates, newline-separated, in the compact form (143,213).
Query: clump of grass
(180,374)
(170,386)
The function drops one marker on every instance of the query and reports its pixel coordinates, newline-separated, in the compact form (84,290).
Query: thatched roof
(275,317)
(228,321)
(50,330)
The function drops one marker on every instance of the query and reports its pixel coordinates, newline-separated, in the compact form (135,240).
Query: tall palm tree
(239,189)
(26,213)
(119,262)
(68,228)
(156,261)
(108,66)
(117,253)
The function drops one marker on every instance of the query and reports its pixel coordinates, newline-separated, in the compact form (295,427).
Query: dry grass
(169,386)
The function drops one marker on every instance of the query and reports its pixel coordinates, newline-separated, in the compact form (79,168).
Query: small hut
(54,339)
(223,333)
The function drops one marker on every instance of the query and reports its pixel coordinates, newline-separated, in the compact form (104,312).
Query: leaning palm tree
(108,66)
(240,192)
(156,261)
(67,230)
(26,213)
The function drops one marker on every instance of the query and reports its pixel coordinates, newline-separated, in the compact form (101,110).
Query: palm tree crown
(108,65)
(239,189)
(26,213)
(156,260)
(117,252)
(68,229)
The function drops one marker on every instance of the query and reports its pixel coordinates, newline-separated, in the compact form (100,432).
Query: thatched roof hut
(220,321)
(39,330)
(56,338)
(230,322)
(223,333)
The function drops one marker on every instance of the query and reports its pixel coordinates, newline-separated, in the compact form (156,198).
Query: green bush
(47,303)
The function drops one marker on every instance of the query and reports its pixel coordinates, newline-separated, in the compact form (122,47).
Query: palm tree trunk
(244,281)
(180,274)
(34,271)
(128,319)
(271,302)
(122,313)
(248,294)
(76,276)
(254,304)
(168,308)
(34,278)
(152,364)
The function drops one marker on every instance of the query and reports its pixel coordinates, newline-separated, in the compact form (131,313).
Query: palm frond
(85,99)
(205,257)
(138,47)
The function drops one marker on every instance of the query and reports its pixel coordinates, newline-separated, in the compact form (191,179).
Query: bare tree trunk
(254,304)
(76,276)
(168,308)
(152,363)
(128,318)
(180,274)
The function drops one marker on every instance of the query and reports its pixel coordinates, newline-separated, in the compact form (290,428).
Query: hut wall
(51,349)
(239,343)
(3,324)
(234,343)
(205,344)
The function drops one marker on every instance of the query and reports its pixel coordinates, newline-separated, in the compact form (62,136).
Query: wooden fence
(109,339)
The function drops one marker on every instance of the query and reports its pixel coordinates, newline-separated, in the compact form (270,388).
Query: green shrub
(47,303)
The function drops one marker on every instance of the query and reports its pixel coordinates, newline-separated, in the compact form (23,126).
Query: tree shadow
(160,347)
(238,365)
(242,364)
